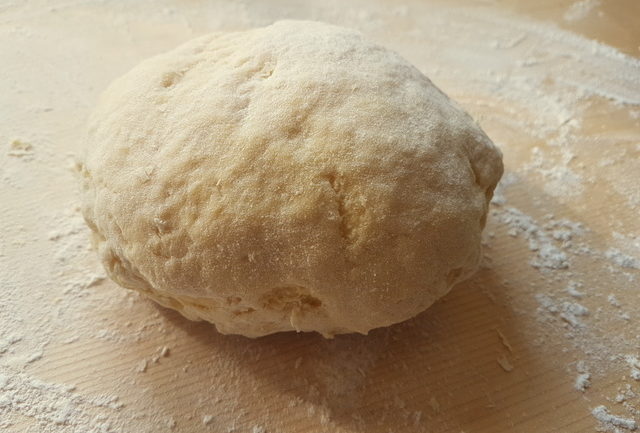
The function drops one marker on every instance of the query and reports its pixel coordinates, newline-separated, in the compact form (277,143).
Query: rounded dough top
(289,177)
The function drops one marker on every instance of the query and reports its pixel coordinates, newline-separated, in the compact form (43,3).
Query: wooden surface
(483,359)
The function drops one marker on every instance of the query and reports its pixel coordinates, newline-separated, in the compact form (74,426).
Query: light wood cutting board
(480,360)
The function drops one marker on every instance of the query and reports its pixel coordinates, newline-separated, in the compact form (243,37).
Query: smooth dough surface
(292,177)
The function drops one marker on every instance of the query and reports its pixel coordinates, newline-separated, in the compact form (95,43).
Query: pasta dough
(292,177)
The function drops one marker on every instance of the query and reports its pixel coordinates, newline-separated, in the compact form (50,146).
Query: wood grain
(439,372)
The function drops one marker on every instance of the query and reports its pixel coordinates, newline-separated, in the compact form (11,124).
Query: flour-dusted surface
(543,338)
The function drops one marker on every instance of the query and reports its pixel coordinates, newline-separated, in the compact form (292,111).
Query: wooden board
(489,357)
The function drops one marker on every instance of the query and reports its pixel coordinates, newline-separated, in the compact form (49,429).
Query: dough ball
(292,177)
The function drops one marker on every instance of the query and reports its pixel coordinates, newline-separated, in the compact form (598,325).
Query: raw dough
(292,177)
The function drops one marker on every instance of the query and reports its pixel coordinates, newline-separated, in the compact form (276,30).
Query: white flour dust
(612,422)
(580,10)
(518,77)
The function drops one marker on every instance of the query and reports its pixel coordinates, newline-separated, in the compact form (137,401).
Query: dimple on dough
(291,177)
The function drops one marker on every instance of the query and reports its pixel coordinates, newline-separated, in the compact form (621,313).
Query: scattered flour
(634,363)
(583,380)
(580,10)
(541,240)
(613,301)
(611,422)
(52,404)
(542,77)
(572,289)
(625,393)
(560,179)
(571,313)
(6,343)
(620,259)
(547,304)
